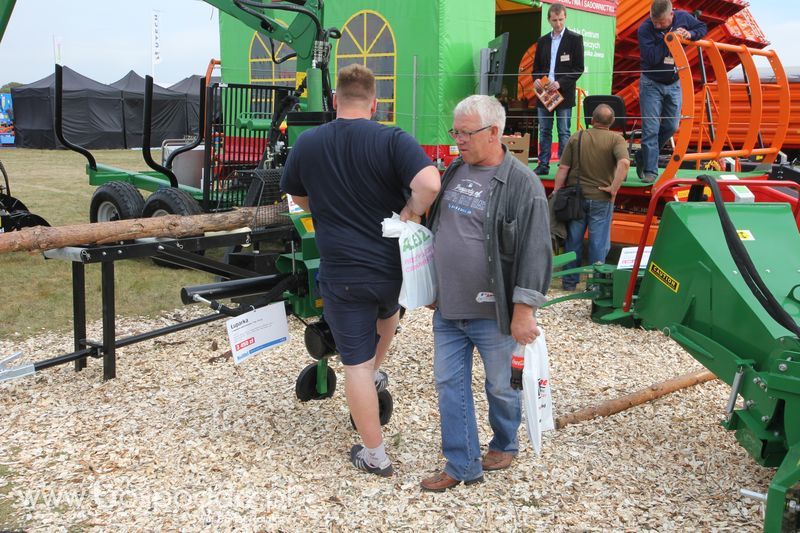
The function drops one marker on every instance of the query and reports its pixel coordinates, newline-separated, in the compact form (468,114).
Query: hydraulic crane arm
(302,30)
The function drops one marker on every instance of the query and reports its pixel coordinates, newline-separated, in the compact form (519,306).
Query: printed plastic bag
(536,396)
(416,256)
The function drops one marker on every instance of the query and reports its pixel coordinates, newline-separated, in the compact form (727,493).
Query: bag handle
(578,165)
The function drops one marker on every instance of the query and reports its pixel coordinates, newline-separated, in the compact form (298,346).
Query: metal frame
(169,249)
(678,49)
(663,187)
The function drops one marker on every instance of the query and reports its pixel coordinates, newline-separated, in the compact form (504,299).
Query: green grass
(36,294)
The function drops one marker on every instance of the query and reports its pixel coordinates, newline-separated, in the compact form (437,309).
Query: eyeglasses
(464,135)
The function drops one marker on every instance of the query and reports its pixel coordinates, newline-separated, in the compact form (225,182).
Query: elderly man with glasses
(493,261)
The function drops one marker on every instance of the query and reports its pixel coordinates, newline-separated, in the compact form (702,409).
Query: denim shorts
(352,310)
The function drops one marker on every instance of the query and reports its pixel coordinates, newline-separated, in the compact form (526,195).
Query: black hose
(745,265)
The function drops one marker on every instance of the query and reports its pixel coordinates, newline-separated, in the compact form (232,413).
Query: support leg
(79,311)
(109,325)
(783,497)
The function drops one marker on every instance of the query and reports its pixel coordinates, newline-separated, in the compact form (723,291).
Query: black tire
(385,409)
(306,386)
(115,200)
(170,201)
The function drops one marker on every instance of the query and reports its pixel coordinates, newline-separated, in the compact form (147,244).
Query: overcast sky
(105,39)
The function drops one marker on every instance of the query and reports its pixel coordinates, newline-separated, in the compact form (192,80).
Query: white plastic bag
(536,395)
(416,256)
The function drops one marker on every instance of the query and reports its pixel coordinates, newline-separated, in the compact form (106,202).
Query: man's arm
(620,173)
(524,327)
(302,201)
(697,28)
(424,188)
(535,263)
(561,177)
(538,69)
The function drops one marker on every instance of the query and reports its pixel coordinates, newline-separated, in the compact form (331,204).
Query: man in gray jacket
(493,262)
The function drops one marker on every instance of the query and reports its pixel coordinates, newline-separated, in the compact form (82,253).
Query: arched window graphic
(263,70)
(368,39)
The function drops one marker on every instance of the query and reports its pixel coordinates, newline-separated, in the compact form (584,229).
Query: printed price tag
(257,330)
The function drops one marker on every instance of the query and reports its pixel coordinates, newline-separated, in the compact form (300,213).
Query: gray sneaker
(381,381)
(358,456)
(649,178)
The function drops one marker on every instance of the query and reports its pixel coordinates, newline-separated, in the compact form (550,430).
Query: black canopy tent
(168,111)
(93,113)
(190,86)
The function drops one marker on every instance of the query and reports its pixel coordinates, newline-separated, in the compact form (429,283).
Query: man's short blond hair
(355,83)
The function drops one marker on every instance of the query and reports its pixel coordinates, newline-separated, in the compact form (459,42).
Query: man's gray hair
(488,109)
(660,8)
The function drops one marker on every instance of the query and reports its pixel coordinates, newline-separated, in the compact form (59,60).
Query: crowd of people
(489,216)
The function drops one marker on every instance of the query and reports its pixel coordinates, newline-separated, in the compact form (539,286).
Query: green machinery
(722,281)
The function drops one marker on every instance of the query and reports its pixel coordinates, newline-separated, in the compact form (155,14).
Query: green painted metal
(149,180)
(6,8)
(444,36)
(314,76)
(296,30)
(322,376)
(693,291)
(305,302)
(559,261)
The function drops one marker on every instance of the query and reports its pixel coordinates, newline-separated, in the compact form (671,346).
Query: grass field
(36,294)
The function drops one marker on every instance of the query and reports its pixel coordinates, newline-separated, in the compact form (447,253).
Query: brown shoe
(442,481)
(494,460)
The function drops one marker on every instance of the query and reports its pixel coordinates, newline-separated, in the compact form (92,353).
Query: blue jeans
(452,368)
(597,216)
(660,106)
(563,118)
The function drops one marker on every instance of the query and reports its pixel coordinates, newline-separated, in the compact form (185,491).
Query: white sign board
(257,330)
(628,256)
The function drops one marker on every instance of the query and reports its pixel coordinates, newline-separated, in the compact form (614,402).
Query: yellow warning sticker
(745,234)
(308,224)
(671,283)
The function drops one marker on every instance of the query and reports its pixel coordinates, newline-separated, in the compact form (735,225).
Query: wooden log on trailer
(40,238)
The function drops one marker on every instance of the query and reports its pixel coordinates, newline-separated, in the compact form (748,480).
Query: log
(40,238)
(622,403)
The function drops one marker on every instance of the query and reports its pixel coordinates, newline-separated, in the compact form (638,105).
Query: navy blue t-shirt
(656,61)
(355,172)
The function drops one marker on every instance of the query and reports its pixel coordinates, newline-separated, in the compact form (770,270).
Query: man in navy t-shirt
(351,174)
(659,88)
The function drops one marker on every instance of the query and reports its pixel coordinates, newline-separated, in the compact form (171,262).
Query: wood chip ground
(185,440)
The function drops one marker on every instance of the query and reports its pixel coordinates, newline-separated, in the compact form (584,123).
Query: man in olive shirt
(602,164)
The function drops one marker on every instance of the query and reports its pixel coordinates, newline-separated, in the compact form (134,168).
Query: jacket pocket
(508,237)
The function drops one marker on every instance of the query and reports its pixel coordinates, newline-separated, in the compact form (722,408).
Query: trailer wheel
(170,201)
(385,408)
(115,200)
(306,386)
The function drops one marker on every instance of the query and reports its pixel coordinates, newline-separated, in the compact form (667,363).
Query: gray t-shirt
(459,249)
